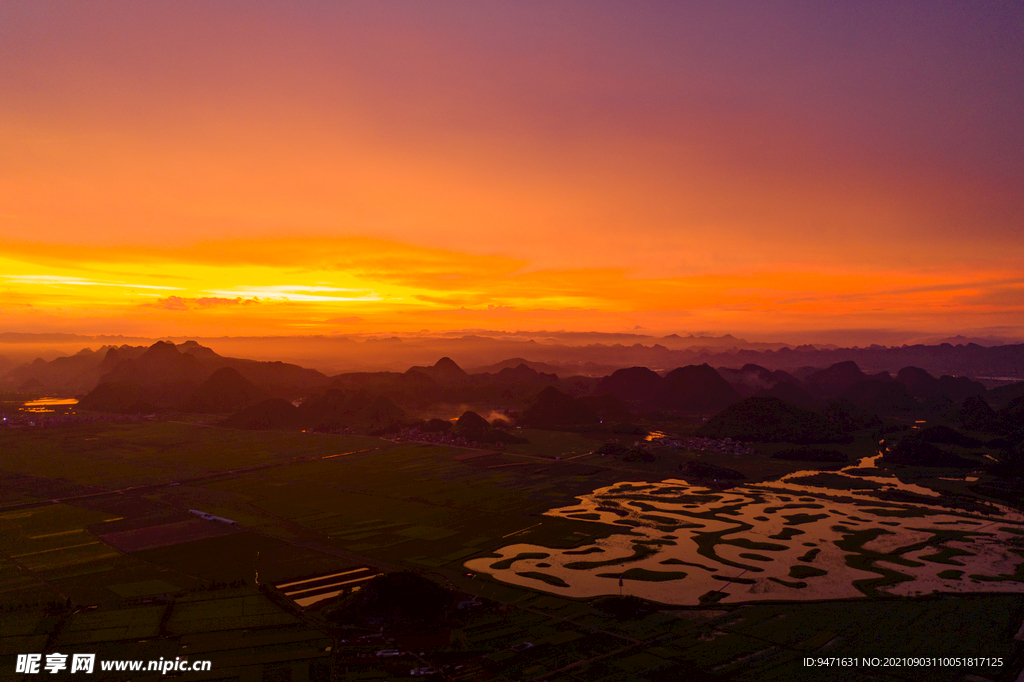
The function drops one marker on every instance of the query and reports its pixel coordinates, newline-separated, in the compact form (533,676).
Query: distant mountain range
(806,404)
(187,377)
(191,378)
(561,353)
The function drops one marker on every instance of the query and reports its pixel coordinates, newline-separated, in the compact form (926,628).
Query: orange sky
(208,169)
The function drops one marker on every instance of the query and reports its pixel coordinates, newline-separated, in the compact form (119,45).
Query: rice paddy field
(687,545)
(100,551)
(244,634)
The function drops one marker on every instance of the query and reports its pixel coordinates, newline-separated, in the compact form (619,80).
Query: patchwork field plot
(47,560)
(165,534)
(20,488)
(281,652)
(143,588)
(25,631)
(261,639)
(52,541)
(684,544)
(54,552)
(438,511)
(205,612)
(310,591)
(111,456)
(551,444)
(18,586)
(103,626)
(46,527)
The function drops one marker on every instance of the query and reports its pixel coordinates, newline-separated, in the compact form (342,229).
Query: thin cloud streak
(77,281)
(288,294)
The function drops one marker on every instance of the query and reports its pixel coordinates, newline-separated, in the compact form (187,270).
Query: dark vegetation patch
(810,455)
(755,557)
(809,556)
(731,579)
(436,426)
(588,550)
(707,542)
(800,519)
(273,413)
(657,542)
(628,429)
(644,575)
(799,585)
(613,510)
(950,574)
(639,552)
(712,597)
(837,482)
(1007,491)
(330,410)
(899,512)
(667,521)
(800,572)
(786,534)
(679,562)
(1016,577)
(945,555)
(544,577)
(795,505)
(944,435)
(507,563)
(623,607)
(626,454)
(703,470)
(863,559)
(863,471)
(914,450)
(396,598)
(849,417)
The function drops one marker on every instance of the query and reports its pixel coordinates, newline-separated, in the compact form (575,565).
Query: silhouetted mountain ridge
(226,390)
(172,375)
(770,420)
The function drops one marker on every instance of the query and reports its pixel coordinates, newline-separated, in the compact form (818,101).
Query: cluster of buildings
(728,445)
(437,437)
(45,420)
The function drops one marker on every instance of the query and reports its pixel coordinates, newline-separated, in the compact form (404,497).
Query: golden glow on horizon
(350,285)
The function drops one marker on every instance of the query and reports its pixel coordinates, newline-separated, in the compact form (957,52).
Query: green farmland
(99,553)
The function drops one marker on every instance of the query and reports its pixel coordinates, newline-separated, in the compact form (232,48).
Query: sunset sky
(257,168)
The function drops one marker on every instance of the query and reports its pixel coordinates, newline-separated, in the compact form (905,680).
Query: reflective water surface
(780,540)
